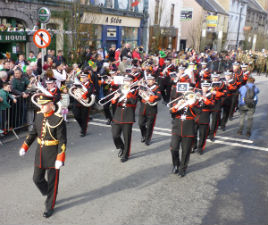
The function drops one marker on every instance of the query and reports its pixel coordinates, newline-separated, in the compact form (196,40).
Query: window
(156,11)
(172,15)
(130,35)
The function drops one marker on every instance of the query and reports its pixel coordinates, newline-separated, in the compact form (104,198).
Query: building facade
(256,28)
(164,24)
(81,23)
(237,20)
(106,23)
(204,25)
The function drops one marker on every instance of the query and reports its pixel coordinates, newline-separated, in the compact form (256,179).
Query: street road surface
(228,184)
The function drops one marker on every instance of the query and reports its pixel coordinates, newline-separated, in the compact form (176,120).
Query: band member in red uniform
(53,89)
(124,117)
(219,92)
(238,77)
(106,84)
(231,87)
(81,113)
(185,115)
(246,73)
(164,80)
(203,124)
(148,109)
(50,130)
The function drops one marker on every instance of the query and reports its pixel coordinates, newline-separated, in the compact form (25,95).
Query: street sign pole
(43,49)
(43,17)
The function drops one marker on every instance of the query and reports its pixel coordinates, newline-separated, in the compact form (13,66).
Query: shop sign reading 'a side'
(105,19)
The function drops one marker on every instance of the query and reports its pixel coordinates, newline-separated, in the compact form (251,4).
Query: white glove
(22,152)
(58,164)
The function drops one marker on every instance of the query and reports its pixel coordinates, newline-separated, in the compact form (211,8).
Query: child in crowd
(65,101)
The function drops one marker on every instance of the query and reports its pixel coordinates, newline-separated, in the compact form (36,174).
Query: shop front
(13,43)
(103,30)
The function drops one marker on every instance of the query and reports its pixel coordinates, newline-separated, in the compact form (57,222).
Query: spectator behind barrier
(3,78)
(5,96)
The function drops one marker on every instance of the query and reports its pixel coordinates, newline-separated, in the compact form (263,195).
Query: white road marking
(216,141)
(217,137)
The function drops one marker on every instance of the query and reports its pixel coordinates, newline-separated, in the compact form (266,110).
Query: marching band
(199,101)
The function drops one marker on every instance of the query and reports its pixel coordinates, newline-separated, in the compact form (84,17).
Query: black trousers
(226,111)
(165,88)
(186,145)
(117,130)
(47,187)
(107,112)
(203,133)
(146,124)
(81,115)
(215,120)
(234,104)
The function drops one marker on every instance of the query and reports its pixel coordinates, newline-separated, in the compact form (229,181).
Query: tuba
(42,90)
(78,90)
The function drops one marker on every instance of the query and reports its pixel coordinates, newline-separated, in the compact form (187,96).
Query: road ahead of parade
(228,184)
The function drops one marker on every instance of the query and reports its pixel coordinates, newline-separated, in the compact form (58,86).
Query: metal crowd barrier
(19,115)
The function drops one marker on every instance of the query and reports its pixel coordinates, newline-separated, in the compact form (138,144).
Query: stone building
(95,23)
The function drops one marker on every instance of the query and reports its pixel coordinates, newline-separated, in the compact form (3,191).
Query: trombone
(186,99)
(123,91)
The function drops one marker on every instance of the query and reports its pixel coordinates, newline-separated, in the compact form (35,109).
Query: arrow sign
(42,38)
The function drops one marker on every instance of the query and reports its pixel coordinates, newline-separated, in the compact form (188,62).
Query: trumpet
(184,100)
(145,92)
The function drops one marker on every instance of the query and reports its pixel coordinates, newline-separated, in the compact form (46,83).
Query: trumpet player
(229,99)
(106,83)
(81,113)
(185,113)
(148,110)
(207,101)
(124,117)
(219,91)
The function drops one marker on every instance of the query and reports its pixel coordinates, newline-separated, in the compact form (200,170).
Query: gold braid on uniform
(49,126)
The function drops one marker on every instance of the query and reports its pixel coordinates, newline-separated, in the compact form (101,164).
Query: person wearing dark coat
(49,130)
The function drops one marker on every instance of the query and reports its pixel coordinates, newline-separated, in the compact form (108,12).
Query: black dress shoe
(248,134)
(212,138)
(194,150)
(48,213)
(175,170)
(108,122)
(182,173)
(120,153)
(83,134)
(200,151)
(123,160)
(142,139)
(147,142)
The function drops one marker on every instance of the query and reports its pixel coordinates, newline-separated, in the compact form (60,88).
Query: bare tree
(194,33)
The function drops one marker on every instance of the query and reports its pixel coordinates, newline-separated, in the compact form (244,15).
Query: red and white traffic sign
(42,38)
